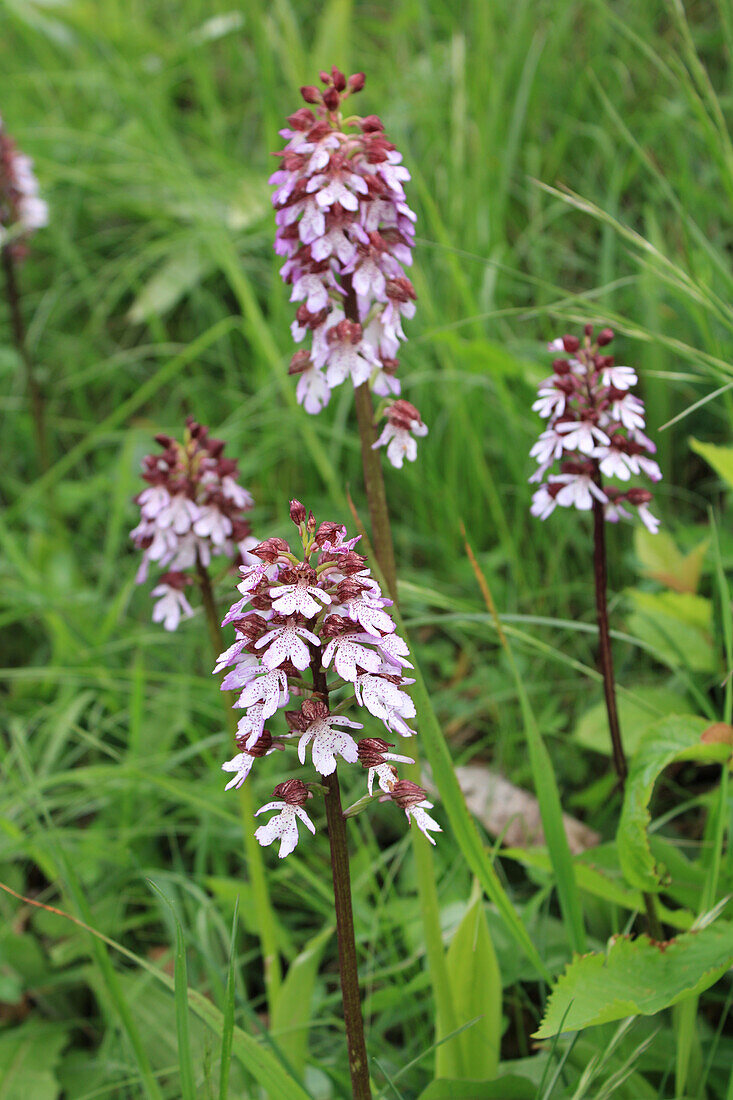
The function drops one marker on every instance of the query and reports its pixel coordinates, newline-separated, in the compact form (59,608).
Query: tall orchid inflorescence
(595,431)
(347,233)
(22,210)
(313,626)
(192,510)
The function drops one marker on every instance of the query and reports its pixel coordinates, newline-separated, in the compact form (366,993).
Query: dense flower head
(595,432)
(22,210)
(347,234)
(191,511)
(312,626)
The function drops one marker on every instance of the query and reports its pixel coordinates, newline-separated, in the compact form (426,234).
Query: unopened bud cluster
(595,431)
(347,233)
(22,210)
(192,510)
(310,626)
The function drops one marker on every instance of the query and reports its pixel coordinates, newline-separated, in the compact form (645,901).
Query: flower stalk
(340,872)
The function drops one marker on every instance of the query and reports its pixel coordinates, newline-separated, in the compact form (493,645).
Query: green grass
(571,160)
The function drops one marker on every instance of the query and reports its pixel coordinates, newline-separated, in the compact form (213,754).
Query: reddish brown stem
(600,574)
(18,329)
(348,969)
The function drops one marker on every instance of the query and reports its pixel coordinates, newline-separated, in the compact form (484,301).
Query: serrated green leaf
(291,1014)
(473,973)
(637,714)
(720,458)
(677,625)
(674,738)
(636,977)
(661,559)
(504,1088)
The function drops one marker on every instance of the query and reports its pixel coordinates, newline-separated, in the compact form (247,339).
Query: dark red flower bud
(297,512)
(176,580)
(324,77)
(311,94)
(331,98)
(372,124)
(271,549)
(560,366)
(300,362)
(261,746)
(302,119)
(637,496)
(403,415)
(292,791)
(405,793)
(371,751)
(339,80)
(605,336)
(356,82)
(588,330)
(314,710)
(570,343)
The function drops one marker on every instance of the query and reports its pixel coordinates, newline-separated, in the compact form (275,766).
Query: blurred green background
(571,161)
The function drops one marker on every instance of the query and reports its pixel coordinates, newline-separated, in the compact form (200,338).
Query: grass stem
(255,865)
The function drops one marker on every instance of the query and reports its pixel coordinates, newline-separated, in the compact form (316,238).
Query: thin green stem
(348,967)
(18,329)
(255,864)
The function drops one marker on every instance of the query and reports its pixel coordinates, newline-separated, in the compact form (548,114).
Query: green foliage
(475,980)
(676,738)
(636,976)
(153,293)
(29,1057)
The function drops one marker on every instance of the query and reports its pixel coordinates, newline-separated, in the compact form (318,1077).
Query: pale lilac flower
(398,435)
(349,654)
(326,741)
(171,605)
(287,642)
(621,378)
(269,688)
(300,598)
(578,490)
(284,825)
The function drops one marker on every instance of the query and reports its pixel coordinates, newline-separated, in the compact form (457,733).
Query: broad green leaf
(677,737)
(503,1088)
(637,713)
(677,625)
(720,458)
(636,977)
(661,559)
(473,972)
(291,1014)
(28,1058)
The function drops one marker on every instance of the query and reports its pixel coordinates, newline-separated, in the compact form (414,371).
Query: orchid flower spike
(595,432)
(347,233)
(191,511)
(312,625)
